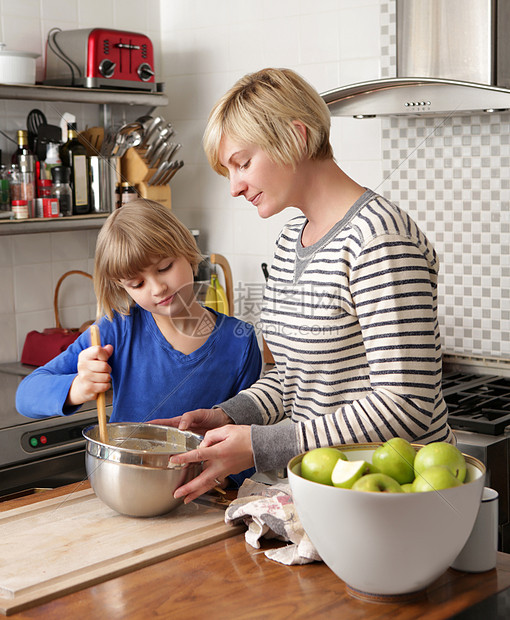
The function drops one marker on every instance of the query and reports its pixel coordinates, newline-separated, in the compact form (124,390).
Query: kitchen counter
(230,579)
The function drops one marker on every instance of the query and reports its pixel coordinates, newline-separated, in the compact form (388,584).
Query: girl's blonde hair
(131,238)
(261,109)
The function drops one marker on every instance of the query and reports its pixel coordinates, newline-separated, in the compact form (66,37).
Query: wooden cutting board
(64,544)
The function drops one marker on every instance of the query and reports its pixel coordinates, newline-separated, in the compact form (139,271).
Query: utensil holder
(135,170)
(105,176)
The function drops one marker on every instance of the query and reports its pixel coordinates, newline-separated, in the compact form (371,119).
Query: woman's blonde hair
(131,238)
(261,109)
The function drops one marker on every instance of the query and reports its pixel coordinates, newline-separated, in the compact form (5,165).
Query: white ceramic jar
(17,67)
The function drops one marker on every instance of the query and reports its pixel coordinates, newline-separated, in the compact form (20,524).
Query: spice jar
(128,193)
(20,209)
(62,190)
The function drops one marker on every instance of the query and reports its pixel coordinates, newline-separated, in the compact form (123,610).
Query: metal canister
(103,175)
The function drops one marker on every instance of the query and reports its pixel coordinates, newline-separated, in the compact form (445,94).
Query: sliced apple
(345,473)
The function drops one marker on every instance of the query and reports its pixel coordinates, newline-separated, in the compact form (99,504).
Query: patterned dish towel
(269,512)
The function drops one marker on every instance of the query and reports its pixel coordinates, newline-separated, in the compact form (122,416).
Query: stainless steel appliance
(477,393)
(100,57)
(452,56)
(39,453)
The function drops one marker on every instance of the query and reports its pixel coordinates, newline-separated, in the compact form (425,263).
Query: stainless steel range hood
(415,96)
(453,57)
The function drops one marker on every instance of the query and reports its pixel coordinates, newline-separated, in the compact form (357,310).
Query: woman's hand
(223,451)
(93,375)
(198,421)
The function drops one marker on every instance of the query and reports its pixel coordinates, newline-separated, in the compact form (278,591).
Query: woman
(350,307)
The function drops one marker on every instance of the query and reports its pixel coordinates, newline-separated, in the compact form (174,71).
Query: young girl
(162,352)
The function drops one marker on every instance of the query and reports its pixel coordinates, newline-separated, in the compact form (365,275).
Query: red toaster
(98,58)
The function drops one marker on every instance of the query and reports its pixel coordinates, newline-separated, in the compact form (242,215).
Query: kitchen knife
(156,156)
(162,168)
(171,173)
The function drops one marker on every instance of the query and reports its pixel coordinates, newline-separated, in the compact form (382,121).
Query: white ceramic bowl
(384,544)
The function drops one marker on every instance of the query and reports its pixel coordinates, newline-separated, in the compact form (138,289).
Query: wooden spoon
(95,339)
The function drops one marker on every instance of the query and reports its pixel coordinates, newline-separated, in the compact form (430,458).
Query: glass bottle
(22,182)
(74,156)
(52,158)
(22,139)
(5,194)
(62,190)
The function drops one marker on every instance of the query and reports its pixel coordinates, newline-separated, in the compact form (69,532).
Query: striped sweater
(352,325)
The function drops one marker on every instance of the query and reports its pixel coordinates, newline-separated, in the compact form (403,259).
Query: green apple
(377,483)
(395,458)
(346,473)
(435,478)
(318,464)
(372,469)
(408,487)
(441,453)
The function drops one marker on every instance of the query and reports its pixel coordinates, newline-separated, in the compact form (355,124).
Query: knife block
(136,172)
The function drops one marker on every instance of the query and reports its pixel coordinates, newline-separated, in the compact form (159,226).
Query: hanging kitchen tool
(219,259)
(267,356)
(35,119)
(215,297)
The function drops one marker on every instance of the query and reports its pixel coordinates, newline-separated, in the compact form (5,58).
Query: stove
(477,403)
(39,453)
(477,392)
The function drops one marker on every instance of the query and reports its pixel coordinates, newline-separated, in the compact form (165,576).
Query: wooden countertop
(230,579)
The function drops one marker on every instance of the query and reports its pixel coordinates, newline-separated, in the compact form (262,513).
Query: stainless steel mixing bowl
(132,473)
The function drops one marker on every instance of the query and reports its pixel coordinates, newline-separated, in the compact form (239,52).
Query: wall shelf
(90,221)
(42,92)
(100,96)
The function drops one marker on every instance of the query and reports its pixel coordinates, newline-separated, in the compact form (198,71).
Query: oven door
(39,453)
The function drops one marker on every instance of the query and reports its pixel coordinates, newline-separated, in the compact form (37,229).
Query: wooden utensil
(95,339)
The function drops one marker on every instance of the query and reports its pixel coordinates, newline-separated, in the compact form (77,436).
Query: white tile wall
(206,47)
(450,174)
(30,265)
(202,48)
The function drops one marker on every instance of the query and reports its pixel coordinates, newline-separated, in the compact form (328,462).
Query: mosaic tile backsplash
(452,175)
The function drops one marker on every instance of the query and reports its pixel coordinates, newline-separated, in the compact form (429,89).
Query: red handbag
(41,347)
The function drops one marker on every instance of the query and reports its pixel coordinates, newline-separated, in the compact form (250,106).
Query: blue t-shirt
(150,379)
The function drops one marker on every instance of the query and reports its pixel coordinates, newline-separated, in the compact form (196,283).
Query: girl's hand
(226,450)
(93,375)
(198,421)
